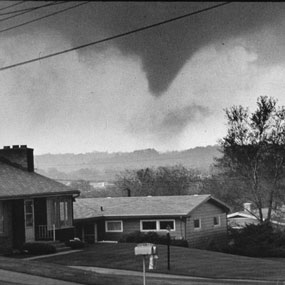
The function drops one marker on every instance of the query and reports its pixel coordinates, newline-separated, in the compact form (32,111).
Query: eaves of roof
(89,219)
(131,216)
(39,195)
(242,215)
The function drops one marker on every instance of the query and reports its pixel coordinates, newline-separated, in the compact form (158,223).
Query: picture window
(157,225)
(114,226)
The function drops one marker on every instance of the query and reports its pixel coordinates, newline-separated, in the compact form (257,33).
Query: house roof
(146,206)
(16,182)
(241,214)
(242,218)
(254,214)
(239,223)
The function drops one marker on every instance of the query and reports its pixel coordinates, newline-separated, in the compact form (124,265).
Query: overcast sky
(164,88)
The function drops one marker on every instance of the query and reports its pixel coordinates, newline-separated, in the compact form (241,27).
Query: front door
(29,220)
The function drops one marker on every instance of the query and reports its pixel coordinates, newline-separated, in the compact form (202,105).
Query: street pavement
(179,279)
(15,278)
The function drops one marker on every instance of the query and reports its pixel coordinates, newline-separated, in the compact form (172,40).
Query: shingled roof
(16,183)
(141,206)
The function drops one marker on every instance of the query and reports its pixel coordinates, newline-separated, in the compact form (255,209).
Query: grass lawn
(184,261)
(64,273)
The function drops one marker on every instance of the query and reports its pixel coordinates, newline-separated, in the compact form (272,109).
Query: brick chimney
(20,155)
(247,207)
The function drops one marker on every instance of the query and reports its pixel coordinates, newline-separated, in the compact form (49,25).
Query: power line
(31,10)
(115,37)
(17,11)
(12,5)
(25,9)
(43,17)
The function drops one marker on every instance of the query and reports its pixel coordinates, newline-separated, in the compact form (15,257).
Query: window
(148,225)
(1,217)
(29,213)
(216,221)
(114,226)
(197,224)
(157,225)
(59,212)
(164,225)
(63,210)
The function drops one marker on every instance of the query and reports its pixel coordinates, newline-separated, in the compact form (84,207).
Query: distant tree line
(166,180)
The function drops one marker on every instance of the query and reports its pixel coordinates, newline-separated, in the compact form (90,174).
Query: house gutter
(144,216)
(76,195)
(35,195)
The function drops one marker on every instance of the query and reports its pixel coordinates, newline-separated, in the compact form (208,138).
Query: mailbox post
(168,247)
(146,249)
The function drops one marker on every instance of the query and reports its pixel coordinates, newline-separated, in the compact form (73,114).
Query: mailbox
(145,249)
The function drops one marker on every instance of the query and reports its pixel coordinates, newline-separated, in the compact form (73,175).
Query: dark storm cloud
(164,50)
(177,120)
(169,124)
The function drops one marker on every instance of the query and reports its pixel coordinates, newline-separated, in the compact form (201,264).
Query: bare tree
(254,152)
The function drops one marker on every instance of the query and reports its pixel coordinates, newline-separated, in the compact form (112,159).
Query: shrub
(151,237)
(39,248)
(179,242)
(276,252)
(257,241)
(216,244)
(75,243)
(134,237)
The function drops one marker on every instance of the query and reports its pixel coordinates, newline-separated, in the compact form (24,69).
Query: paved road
(15,278)
(179,279)
(11,277)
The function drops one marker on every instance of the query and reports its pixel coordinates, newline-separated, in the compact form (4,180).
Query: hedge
(75,243)
(151,237)
(39,248)
(257,241)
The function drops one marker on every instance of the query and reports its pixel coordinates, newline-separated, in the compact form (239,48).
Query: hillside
(98,166)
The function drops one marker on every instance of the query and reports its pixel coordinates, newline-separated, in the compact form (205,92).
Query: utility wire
(26,9)
(115,37)
(31,10)
(43,17)
(12,5)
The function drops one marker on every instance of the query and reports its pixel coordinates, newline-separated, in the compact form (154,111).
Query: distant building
(238,220)
(248,215)
(98,184)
